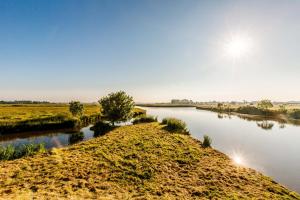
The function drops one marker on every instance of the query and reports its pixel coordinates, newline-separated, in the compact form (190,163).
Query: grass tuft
(206,141)
(10,152)
(175,125)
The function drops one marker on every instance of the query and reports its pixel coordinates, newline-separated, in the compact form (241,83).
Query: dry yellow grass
(21,112)
(135,162)
(16,113)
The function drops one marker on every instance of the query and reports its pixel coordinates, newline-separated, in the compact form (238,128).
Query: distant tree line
(24,102)
(181,101)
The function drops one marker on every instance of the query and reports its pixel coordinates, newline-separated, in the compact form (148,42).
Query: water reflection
(281,125)
(50,139)
(275,154)
(238,160)
(262,122)
(76,137)
(224,115)
(266,125)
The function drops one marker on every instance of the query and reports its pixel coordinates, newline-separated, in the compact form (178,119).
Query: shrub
(251,110)
(282,108)
(295,114)
(76,108)
(101,127)
(117,107)
(264,104)
(206,141)
(165,120)
(144,119)
(76,137)
(10,152)
(175,125)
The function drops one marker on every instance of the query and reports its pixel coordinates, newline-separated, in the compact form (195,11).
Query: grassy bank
(142,161)
(37,117)
(288,114)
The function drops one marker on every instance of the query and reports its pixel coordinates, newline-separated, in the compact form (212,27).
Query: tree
(265,104)
(76,108)
(282,108)
(117,107)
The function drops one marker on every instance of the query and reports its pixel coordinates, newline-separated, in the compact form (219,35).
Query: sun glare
(238,46)
(238,160)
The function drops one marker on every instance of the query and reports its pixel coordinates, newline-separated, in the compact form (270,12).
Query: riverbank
(40,117)
(289,115)
(138,161)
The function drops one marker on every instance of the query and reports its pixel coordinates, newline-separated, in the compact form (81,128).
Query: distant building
(181,101)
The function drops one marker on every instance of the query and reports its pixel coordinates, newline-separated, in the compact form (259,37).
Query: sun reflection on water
(238,159)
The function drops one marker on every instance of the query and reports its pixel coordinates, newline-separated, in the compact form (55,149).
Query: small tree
(76,108)
(117,107)
(265,104)
(282,108)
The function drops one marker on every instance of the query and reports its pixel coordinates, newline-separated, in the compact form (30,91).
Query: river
(267,146)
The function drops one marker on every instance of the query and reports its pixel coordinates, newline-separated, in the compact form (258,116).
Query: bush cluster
(76,137)
(11,152)
(175,125)
(144,119)
(102,127)
(251,110)
(295,114)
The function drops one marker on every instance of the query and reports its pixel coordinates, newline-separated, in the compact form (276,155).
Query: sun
(238,46)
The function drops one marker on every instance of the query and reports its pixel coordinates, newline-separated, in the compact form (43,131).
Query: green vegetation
(117,107)
(76,108)
(206,141)
(144,119)
(265,105)
(175,125)
(76,137)
(265,108)
(10,152)
(142,161)
(101,128)
(39,117)
(295,113)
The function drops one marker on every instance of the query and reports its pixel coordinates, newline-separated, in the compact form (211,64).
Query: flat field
(23,112)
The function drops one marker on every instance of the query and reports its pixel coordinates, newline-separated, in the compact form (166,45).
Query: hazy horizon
(156,51)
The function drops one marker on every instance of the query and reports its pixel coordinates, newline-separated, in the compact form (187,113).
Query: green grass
(175,125)
(144,119)
(206,141)
(35,117)
(141,161)
(10,152)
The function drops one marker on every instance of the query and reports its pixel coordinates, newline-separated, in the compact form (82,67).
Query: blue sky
(61,50)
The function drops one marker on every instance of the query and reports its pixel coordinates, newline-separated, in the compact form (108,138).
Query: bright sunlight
(238,160)
(238,46)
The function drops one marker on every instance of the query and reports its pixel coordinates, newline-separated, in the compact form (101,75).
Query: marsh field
(40,117)
(227,178)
